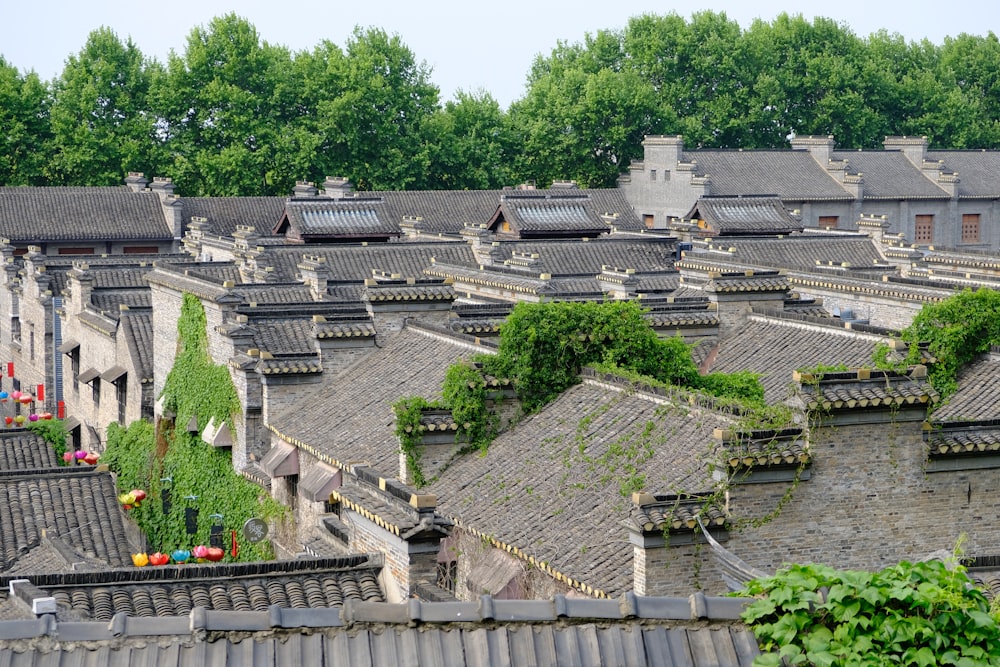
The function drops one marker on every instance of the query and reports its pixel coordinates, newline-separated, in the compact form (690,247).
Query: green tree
(101,124)
(374,124)
(471,144)
(222,105)
(583,117)
(24,126)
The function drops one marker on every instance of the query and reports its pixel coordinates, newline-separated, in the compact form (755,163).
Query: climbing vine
(409,431)
(955,331)
(920,614)
(52,431)
(189,483)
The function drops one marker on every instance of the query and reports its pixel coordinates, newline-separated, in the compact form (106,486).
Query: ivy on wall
(166,462)
(955,330)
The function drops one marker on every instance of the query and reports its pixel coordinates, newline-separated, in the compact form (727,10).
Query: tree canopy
(234,115)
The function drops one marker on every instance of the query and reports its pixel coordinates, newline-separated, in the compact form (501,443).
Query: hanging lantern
(16,395)
(19,419)
(46,415)
(3,396)
(200,552)
(181,555)
(33,417)
(140,560)
(25,399)
(9,420)
(68,457)
(159,559)
(80,454)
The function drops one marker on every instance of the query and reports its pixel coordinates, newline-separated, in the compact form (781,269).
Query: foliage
(464,393)
(543,346)
(408,412)
(957,329)
(53,431)
(233,115)
(100,122)
(195,385)
(197,475)
(909,614)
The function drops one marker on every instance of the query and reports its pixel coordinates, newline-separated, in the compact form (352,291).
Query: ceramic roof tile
(357,262)
(224,214)
(137,326)
(112,300)
(21,449)
(890,174)
(745,215)
(775,348)
(793,175)
(976,170)
(64,504)
(576,257)
(802,252)
(554,480)
(35,214)
(352,418)
(977,395)
(968,441)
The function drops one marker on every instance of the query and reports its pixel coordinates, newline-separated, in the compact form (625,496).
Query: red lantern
(215,554)
(158,559)
(9,420)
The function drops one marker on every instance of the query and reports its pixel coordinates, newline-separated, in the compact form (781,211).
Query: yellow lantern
(140,560)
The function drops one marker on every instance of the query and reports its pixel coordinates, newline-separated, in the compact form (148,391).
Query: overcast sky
(469,44)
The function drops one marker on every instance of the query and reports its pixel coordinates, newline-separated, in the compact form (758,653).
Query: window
(828,221)
(647,220)
(31,341)
(121,395)
(924,229)
(292,486)
(96,386)
(141,250)
(332,507)
(447,573)
(652,174)
(505,226)
(76,251)
(970,228)
(74,364)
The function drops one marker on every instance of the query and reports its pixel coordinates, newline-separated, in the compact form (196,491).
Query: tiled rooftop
(566,461)
(351,416)
(21,449)
(699,631)
(32,214)
(774,348)
(978,395)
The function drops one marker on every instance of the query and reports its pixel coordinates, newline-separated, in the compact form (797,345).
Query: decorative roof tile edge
(487,609)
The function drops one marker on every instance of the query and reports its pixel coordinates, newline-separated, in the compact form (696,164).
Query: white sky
(470,44)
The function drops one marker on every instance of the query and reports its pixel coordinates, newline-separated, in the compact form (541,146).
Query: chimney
(136,181)
(304,189)
(914,148)
(821,148)
(316,274)
(337,187)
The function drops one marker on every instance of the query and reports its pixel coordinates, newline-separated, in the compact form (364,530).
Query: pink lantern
(16,395)
(33,417)
(80,454)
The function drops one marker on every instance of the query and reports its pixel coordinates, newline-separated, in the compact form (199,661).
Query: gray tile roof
(137,327)
(21,449)
(792,175)
(890,175)
(775,348)
(799,252)
(579,257)
(324,218)
(977,171)
(556,214)
(744,215)
(38,214)
(77,506)
(357,262)
(224,214)
(556,479)
(351,416)
(850,390)
(109,301)
(174,590)
(978,395)
(699,631)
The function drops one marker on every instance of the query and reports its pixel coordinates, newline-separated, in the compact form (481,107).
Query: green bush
(918,614)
